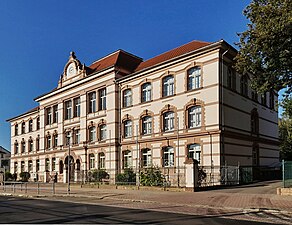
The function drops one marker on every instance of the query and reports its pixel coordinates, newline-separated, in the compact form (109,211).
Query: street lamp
(85,149)
(69,160)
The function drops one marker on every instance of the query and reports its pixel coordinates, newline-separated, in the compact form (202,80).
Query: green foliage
(151,176)
(127,177)
(266,46)
(201,176)
(8,176)
(285,136)
(14,176)
(97,175)
(24,176)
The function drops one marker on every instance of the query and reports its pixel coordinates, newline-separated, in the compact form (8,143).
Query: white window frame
(102,99)
(102,132)
(146,157)
(127,98)
(195,116)
(128,128)
(146,92)
(101,160)
(91,161)
(127,156)
(168,156)
(168,86)
(77,107)
(146,125)
(194,78)
(92,134)
(168,121)
(194,152)
(92,102)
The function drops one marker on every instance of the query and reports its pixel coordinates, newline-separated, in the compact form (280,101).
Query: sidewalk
(259,196)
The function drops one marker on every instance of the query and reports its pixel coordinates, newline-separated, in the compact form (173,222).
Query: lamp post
(69,161)
(85,149)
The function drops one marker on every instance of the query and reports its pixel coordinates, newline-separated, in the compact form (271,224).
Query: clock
(71,71)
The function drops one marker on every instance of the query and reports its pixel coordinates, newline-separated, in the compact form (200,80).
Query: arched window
(37,143)
(127,98)
(168,121)
(146,92)
(254,121)
(30,145)
(147,125)
(146,157)
(167,86)
(38,123)
(101,160)
(264,98)
(194,152)
(127,158)
(128,128)
(244,85)
(78,164)
(29,166)
(30,125)
(91,161)
(48,141)
(23,127)
(168,156)
(194,116)
(16,149)
(61,167)
(16,129)
(55,140)
(194,78)
(22,146)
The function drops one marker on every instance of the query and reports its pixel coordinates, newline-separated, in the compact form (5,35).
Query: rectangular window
(92,102)
(168,122)
(101,160)
(55,114)
(68,138)
(168,157)
(127,159)
(146,92)
(77,136)
(55,140)
(194,152)
(102,132)
(22,147)
(127,98)
(128,128)
(102,99)
(53,164)
(47,165)
(22,166)
(49,141)
(168,86)
(92,134)
(76,107)
(68,110)
(195,115)
(49,116)
(37,144)
(146,158)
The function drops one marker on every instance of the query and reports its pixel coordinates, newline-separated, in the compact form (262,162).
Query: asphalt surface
(38,211)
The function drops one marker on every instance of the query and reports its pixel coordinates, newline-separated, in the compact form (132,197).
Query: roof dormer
(73,71)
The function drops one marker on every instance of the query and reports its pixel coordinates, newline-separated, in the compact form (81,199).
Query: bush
(128,177)
(8,176)
(97,175)
(14,176)
(152,177)
(24,176)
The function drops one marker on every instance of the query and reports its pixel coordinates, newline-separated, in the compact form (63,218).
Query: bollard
(25,188)
(21,187)
(14,188)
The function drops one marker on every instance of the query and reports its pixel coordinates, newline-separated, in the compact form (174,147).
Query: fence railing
(35,187)
(287,173)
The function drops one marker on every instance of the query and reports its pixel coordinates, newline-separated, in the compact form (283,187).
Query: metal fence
(287,173)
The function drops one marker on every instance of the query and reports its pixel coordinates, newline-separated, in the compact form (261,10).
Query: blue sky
(37,36)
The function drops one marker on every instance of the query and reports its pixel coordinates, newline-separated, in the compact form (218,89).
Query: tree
(266,46)
(127,177)
(24,176)
(151,176)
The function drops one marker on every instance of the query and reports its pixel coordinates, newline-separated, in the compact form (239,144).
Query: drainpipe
(221,105)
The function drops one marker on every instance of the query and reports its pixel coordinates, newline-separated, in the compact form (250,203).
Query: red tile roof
(105,62)
(189,47)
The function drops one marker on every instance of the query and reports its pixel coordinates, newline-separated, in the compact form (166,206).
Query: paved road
(26,210)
